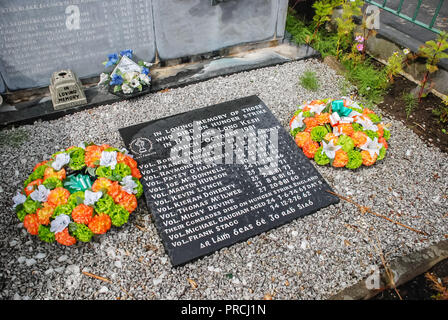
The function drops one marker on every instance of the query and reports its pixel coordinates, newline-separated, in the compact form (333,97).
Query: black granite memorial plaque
(201,204)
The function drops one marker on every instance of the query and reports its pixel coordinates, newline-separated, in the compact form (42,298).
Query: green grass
(309,80)
(410,102)
(13,138)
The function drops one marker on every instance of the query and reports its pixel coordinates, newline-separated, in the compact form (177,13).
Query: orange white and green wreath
(340,133)
(79,192)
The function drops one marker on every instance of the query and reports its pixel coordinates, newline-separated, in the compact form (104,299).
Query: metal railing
(412,19)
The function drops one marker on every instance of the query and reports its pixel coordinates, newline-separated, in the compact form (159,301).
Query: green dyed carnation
(139,188)
(346,142)
(31,206)
(371,134)
(357,127)
(110,149)
(374,118)
(105,204)
(21,213)
(80,231)
(119,216)
(27,181)
(45,234)
(354,159)
(382,154)
(77,159)
(121,170)
(62,209)
(103,171)
(308,114)
(76,198)
(52,183)
(318,133)
(321,158)
(38,173)
(386,134)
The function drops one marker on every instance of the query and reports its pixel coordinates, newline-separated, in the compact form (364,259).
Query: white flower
(144,78)
(372,146)
(108,159)
(297,122)
(406,51)
(129,185)
(134,83)
(317,108)
(330,149)
(103,78)
(366,123)
(126,153)
(91,197)
(337,131)
(126,89)
(41,194)
(18,199)
(60,223)
(147,64)
(128,76)
(335,118)
(61,160)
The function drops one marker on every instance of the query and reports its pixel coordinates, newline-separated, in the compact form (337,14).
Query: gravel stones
(309,258)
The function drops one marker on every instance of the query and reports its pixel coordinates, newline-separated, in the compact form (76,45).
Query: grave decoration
(221,174)
(79,192)
(66,90)
(340,133)
(127,78)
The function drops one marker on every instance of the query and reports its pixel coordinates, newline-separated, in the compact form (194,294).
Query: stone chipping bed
(309,258)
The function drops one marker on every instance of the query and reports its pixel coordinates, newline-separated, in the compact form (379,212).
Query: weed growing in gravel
(410,102)
(13,138)
(309,81)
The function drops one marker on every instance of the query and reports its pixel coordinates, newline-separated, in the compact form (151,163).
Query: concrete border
(406,267)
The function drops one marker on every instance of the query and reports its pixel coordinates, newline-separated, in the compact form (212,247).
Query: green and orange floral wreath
(340,133)
(78,193)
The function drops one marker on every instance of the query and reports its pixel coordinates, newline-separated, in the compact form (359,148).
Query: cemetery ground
(313,257)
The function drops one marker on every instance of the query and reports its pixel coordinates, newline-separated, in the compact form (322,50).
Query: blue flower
(145,70)
(113,58)
(116,79)
(127,53)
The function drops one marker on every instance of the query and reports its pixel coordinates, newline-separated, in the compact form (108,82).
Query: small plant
(345,23)
(323,9)
(442,112)
(13,138)
(433,51)
(309,80)
(395,64)
(410,102)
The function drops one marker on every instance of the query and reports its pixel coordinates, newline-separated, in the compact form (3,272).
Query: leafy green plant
(345,23)
(297,28)
(309,81)
(442,112)
(323,11)
(395,65)
(410,102)
(433,51)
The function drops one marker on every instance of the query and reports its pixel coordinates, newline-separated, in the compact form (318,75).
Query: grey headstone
(190,27)
(2,85)
(41,37)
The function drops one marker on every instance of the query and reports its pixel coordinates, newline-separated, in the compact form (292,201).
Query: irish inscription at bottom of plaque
(222,174)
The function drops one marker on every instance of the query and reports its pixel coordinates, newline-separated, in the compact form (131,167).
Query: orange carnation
(129,202)
(50,172)
(380,130)
(44,213)
(367,111)
(330,136)
(367,160)
(359,138)
(58,196)
(116,192)
(340,159)
(347,129)
(101,183)
(39,164)
(31,223)
(310,123)
(104,147)
(82,214)
(65,238)
(32,186)
(93,154)
(310,148)
(100,224)
(323,118)
(301,138)
(383,142)
(136,173)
